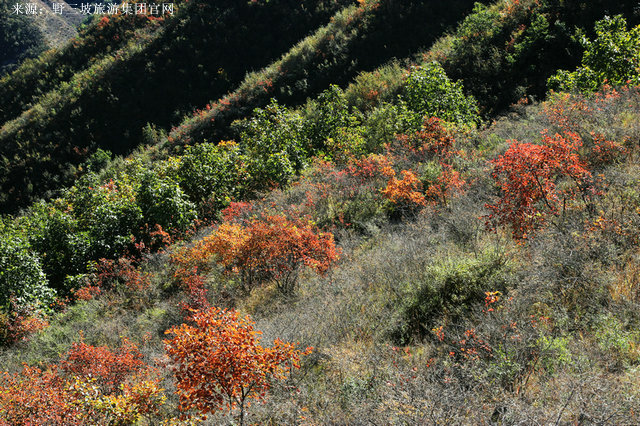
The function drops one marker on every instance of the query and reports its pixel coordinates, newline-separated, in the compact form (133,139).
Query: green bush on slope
(613,58)
(429,92)
(22,281)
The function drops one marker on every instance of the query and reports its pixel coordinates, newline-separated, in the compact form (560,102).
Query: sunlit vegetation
(123,72)
(438,267)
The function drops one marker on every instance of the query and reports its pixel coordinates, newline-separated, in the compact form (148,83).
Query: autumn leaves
(219,362)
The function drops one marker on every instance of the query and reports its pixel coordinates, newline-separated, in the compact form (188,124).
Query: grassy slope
(58,29)
(584,345)
(357,39)
(579,364)
(51,31)
(38,76)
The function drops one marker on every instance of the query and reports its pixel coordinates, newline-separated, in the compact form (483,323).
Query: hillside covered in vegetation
(325,212)
(25,35)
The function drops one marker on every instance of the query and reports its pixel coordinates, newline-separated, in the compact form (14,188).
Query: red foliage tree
(274,248)
(528,176)
(93,385)
(370,167)
(605,151)
(36,397)
(20,323)
(448,183)
(436,139)
(219,362)
(433,143)
(123,277)
(109,368)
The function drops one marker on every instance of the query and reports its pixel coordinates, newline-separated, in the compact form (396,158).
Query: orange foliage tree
(92,385)
(191,263)
(276,248)
(219,362)
(405,193)
(528,176)
(273,248)
(433,144)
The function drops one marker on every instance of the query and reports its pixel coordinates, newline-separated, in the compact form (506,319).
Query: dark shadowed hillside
(178,65)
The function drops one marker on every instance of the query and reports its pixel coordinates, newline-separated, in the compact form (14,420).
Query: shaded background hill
(99,92)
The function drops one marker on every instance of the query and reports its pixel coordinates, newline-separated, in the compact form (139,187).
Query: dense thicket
(505,53)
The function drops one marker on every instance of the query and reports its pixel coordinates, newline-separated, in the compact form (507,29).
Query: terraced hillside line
(68,92)
(358,38)
(36,77)
(192,61)
(23,157)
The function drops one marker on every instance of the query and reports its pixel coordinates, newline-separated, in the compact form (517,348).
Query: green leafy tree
(429,91)
(273,143)
(62,245)
(21,277)
(108,212)
(163,202)
(613,57)
(216,173)
(325,116)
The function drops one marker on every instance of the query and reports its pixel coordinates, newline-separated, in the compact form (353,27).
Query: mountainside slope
(57,28)
(509,50)
(25,35)
(112,90)
(429,315)
(442,258)
(20,38)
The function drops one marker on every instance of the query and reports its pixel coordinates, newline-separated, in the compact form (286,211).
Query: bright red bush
(527,175)
(108,368)
(220,363)
(37,397)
